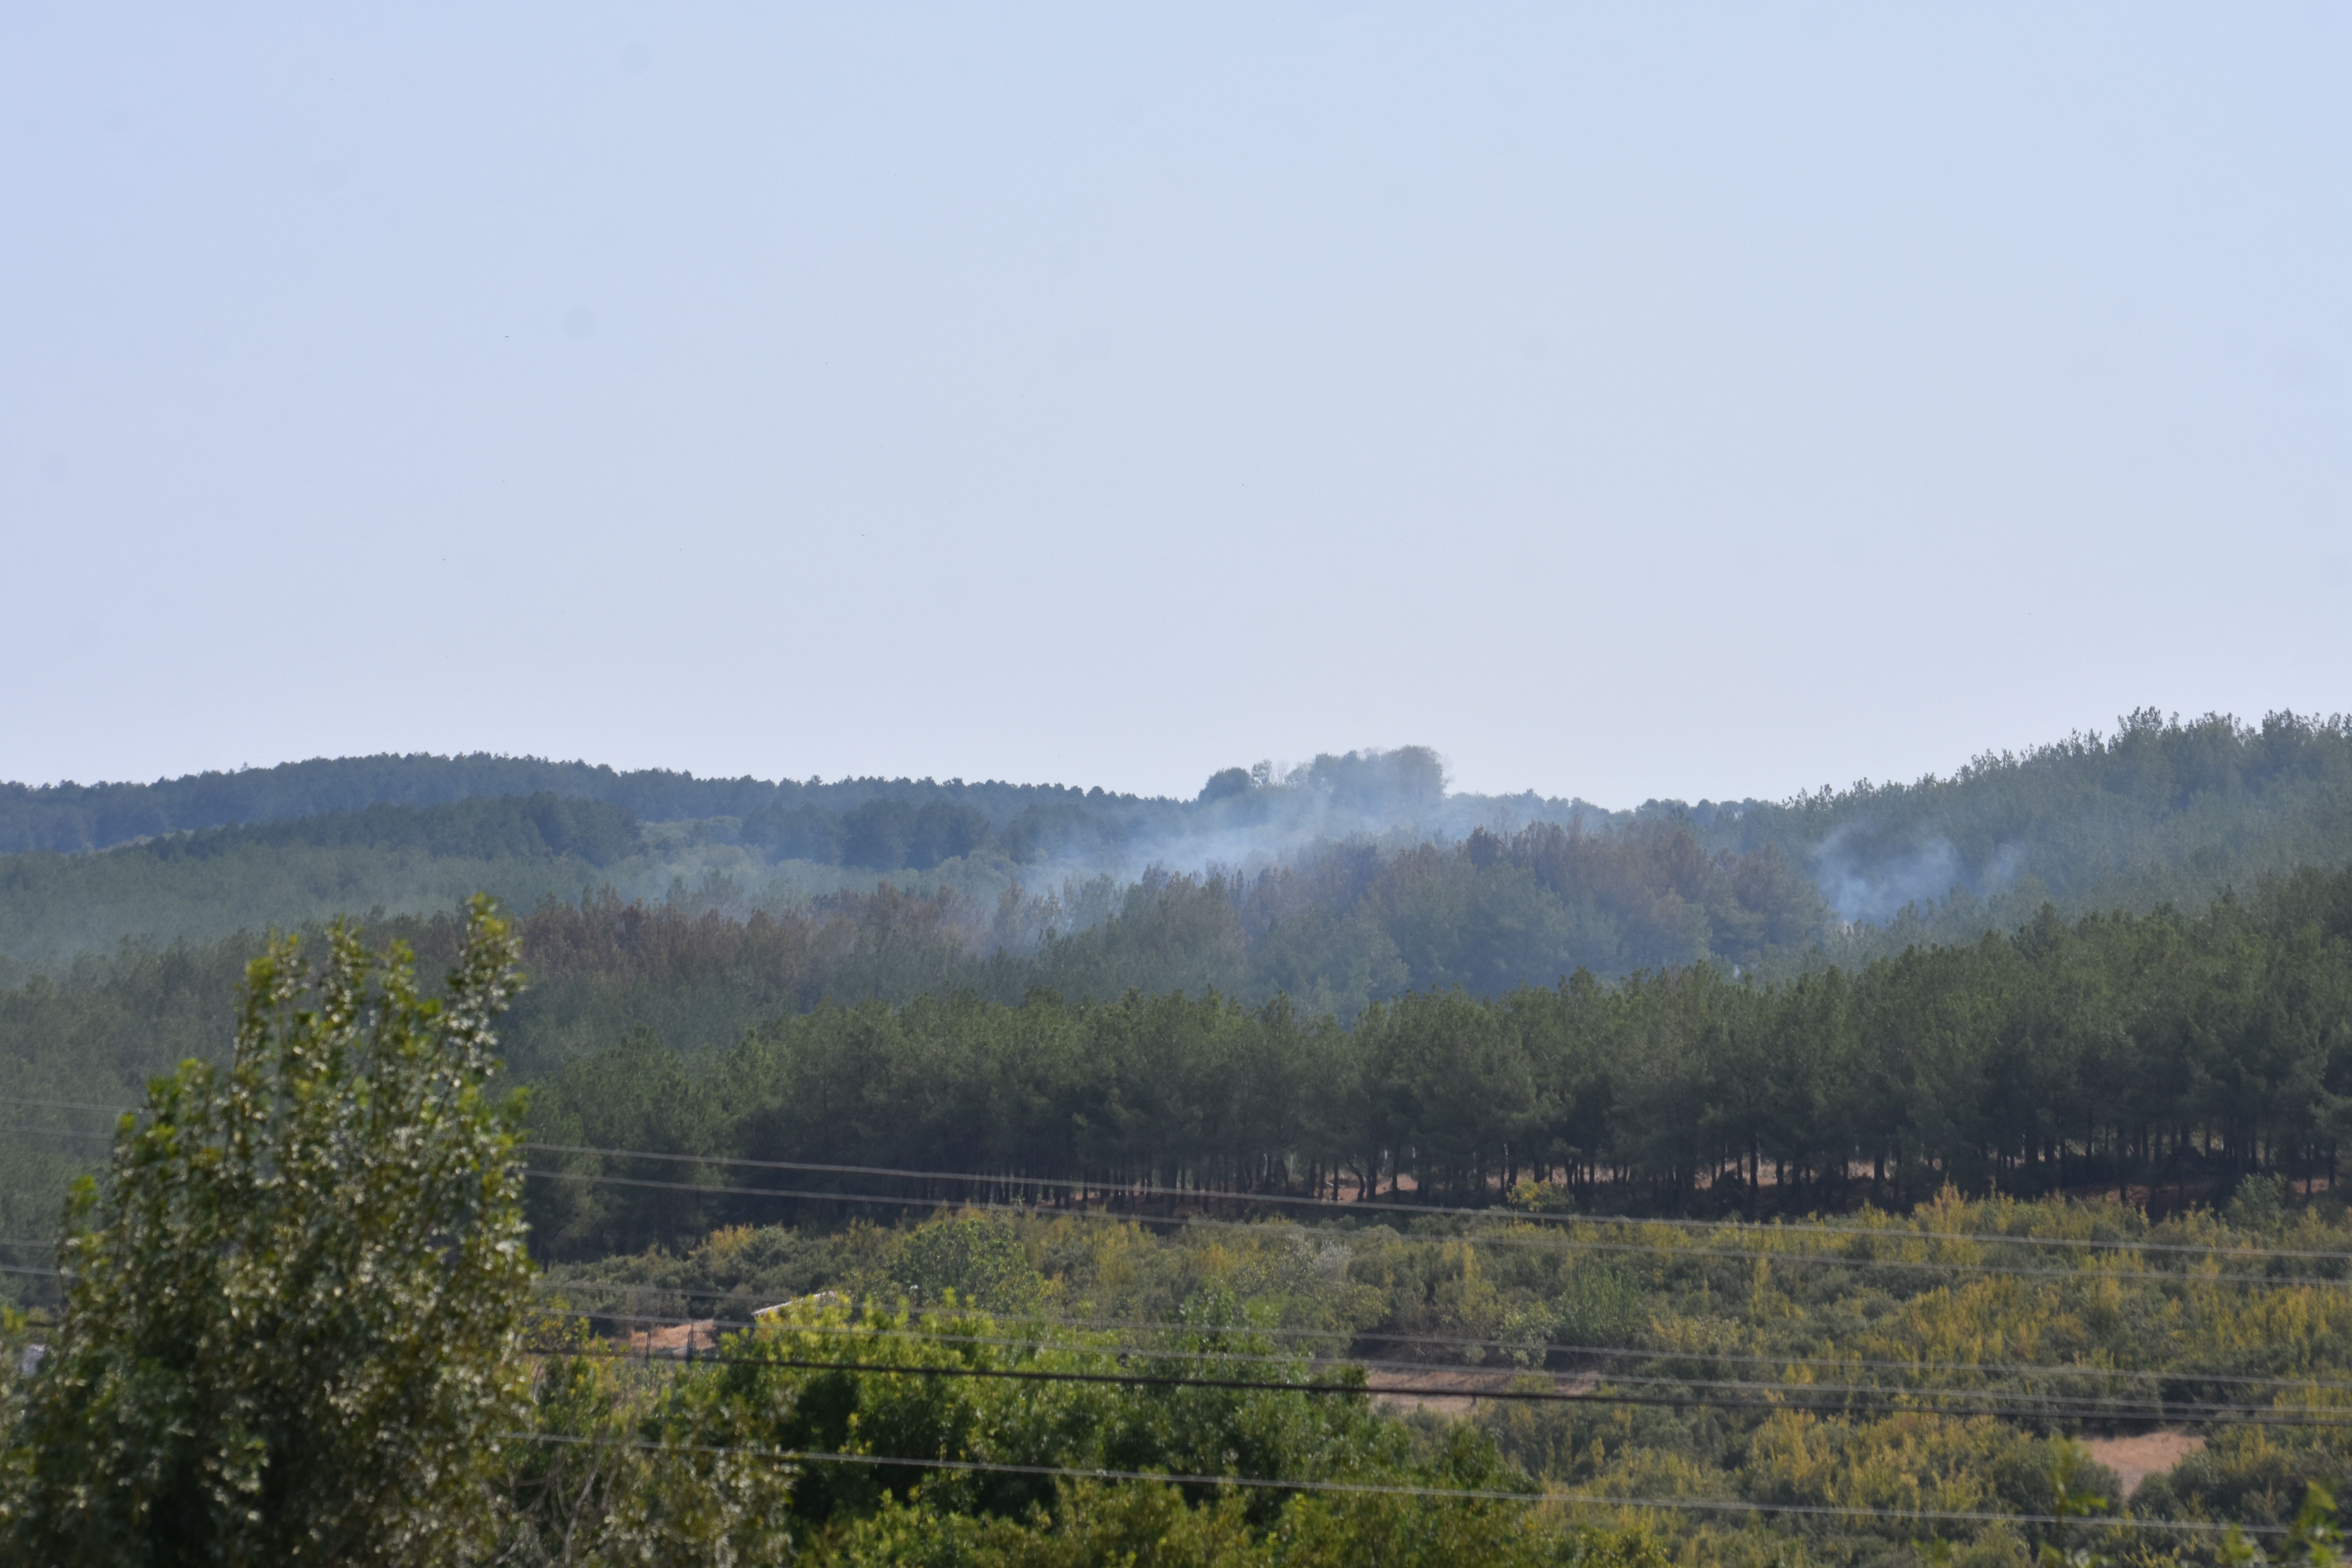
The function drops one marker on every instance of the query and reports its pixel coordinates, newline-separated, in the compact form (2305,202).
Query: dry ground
(2144,1454)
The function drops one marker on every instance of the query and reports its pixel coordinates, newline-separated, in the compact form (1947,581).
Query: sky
(1630,402)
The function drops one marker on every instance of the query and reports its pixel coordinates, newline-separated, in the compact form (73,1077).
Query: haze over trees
(2159,811)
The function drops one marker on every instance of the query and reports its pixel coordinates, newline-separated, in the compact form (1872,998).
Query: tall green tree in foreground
(292,1309)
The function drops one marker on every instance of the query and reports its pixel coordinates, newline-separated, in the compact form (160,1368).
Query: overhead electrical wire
(1546,1243)
(2074,1369)
(1540,1244)
(2049,1408)
(1362,1206)
(1799,1396)
(1350,1206)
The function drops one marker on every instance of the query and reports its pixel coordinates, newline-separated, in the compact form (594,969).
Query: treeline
(1501,920)
(2152,1055)
(76,817)
(72,818)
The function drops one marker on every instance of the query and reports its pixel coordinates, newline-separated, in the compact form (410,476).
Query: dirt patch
(2136,1458)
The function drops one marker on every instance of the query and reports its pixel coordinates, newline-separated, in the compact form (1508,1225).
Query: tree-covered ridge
(1335,909)
(79,817)
(211,882)
(2159,809)
(1360,788)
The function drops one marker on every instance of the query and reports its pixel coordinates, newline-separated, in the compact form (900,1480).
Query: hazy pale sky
(1627,401)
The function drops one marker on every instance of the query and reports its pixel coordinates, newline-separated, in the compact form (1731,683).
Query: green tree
(292,1311)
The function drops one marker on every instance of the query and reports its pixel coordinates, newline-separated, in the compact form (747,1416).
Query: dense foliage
(208,883)
(2156,1053)
(702,1463)
(1939,1360)
(1387,994)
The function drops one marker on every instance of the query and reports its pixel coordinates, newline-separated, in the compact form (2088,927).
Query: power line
(1589,1350)
(1379,1489)
(1551,1244)
(1801,1397)
(2068,1407)
(86,1133)
(1361,1205)
(1459,1341)
(2048,1409)
(1658,1250)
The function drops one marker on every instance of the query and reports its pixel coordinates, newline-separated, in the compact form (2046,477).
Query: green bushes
(724,1468)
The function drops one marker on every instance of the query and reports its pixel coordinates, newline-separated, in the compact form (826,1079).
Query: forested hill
(2066,817)
(67,817)
(2159,811)
(1385,878)
(869,822)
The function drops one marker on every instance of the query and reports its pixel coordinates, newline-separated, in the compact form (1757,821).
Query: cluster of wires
(1184,1343)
